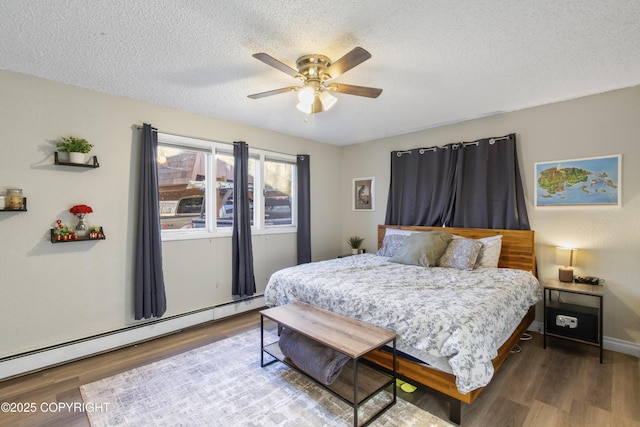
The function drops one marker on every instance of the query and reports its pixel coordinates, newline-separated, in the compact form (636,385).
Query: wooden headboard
(518,246)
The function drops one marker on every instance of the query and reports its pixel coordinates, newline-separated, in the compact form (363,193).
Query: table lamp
(565,258)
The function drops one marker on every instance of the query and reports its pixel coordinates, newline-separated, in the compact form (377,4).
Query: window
(181,184)
(195,177)
(278,183)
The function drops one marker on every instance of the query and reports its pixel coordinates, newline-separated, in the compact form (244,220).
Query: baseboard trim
(36,360)
(621,346)
(609,343)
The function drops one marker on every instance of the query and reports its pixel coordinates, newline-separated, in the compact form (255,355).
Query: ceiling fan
(315,71)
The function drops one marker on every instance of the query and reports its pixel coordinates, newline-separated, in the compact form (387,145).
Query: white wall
(609,238)
(54,293)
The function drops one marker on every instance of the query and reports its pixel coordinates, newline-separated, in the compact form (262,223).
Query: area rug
(222,384)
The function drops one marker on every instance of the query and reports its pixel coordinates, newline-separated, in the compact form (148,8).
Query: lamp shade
(565,256)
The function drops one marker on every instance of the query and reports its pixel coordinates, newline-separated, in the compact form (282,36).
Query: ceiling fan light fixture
(307,95)
(315,71)
(327,100)
(304,108)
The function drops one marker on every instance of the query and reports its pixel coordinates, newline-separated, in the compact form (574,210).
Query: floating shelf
(24,207)
(79,239)
(93,162)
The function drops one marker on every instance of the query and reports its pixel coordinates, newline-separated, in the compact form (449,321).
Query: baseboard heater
(35,360)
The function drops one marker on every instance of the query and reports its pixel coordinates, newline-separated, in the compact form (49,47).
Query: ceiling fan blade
(270,60)
(273,92)
(356,57)
(369,92)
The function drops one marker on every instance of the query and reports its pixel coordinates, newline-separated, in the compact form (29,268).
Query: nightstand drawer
(575,321)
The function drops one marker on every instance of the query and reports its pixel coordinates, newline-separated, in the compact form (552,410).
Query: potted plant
(355,242)
(76,147)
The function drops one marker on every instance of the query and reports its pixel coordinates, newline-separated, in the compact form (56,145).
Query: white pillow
(392,231)
(489,255)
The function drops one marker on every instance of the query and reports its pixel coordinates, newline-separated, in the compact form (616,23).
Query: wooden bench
(357,382)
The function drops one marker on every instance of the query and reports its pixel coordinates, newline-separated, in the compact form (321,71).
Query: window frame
(268,156)
(212,148)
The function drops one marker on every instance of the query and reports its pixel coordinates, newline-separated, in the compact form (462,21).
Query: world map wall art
(579,182)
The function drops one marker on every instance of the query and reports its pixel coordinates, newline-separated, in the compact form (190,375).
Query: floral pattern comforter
(454,320)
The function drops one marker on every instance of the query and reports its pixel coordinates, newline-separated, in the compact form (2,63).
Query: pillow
(393,231)
(489,255)
(461,254)
(422,249)
(391,244)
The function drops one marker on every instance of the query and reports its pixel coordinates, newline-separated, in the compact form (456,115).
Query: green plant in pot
(354,243)
(76,147)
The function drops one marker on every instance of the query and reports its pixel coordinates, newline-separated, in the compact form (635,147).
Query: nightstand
(573,322)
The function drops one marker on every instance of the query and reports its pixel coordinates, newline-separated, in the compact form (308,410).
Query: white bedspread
(461,317)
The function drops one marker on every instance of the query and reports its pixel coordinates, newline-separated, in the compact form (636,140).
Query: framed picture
(363,198)
(579,182)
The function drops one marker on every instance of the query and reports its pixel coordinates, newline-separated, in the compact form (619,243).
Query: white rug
(222,384)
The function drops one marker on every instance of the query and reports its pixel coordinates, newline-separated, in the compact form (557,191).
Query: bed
(456,326)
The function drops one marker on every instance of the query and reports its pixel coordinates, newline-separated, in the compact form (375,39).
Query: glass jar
(14,198)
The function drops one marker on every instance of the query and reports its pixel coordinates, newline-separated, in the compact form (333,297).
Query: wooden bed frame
(518,251)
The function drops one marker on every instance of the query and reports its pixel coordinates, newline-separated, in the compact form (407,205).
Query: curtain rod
(453,145)
(178,135)
(491,141)
(210,140)
(186,136)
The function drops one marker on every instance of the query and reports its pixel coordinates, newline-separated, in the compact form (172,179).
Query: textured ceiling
(437,62)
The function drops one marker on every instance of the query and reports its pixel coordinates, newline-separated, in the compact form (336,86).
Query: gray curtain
(150,298)
(488,189)
(422,181)
(474,184)
(243,279)
(304,208)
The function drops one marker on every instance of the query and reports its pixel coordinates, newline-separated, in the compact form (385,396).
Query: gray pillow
(422,249)
(461,254)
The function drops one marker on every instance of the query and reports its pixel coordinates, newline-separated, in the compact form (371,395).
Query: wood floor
(564,385)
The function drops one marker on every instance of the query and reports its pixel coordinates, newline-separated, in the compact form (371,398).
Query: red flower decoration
(81,209)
